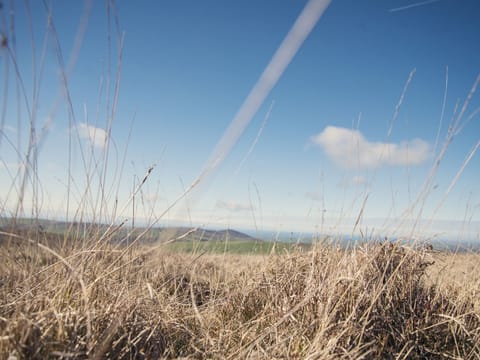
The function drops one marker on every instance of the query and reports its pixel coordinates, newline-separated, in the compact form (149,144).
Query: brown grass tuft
(377,301)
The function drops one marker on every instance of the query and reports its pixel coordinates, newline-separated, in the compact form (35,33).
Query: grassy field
(246,247)
(377,301)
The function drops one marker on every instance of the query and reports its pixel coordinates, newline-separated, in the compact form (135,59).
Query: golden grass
(377,301)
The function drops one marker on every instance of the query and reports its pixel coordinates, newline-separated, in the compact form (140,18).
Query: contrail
(302,27)
(255,141)
(270,76)
(413,5)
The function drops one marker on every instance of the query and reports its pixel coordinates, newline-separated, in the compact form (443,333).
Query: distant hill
(196,234)
(90,231)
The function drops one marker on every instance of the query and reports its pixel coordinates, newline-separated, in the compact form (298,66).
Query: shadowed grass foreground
(373,302)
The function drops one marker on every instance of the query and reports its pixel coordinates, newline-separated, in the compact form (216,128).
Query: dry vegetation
(378,301)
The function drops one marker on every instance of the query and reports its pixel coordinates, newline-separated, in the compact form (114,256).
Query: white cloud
(96,136)
(350,149)
(233,206)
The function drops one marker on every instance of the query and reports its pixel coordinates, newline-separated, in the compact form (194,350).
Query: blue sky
(324,144)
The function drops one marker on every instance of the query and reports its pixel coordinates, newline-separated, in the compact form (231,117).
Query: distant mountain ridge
(201,234)
(168,233)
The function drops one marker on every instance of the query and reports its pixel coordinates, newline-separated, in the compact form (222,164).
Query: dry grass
(378,301)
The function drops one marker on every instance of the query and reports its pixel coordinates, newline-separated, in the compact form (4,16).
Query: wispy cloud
(233,206)
(413,5)
(350,149)
(96,136)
